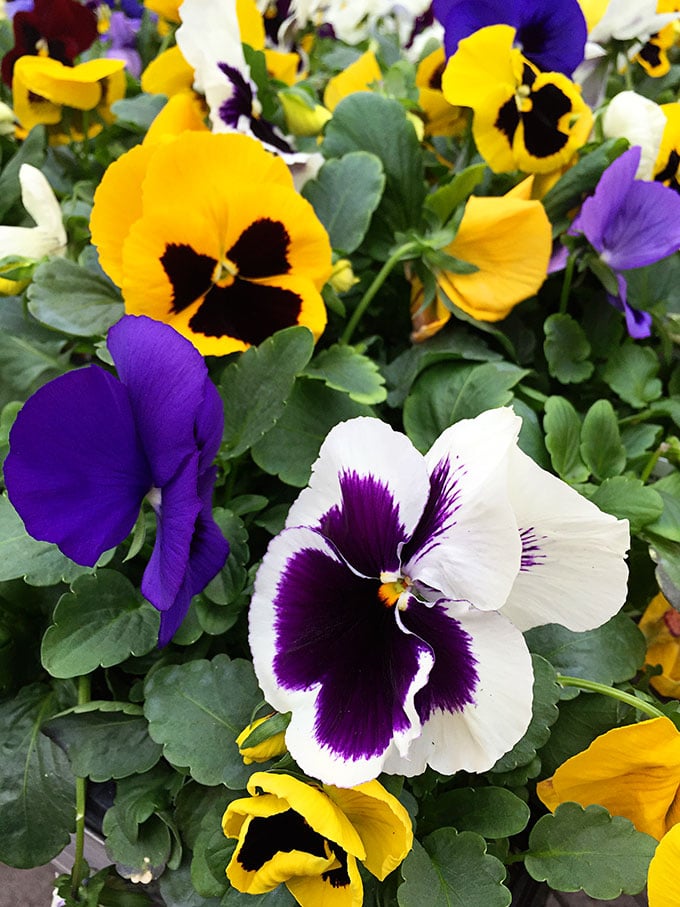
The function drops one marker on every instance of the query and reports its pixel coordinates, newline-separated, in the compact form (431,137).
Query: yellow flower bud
(342,278)
(267,749)
(303,118)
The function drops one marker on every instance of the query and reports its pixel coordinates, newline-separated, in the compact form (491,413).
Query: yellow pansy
(524,119)
(72,101)
(206,232)
(310,837)
(168,74)
(359,76)
(261,752)
(661,626)
(663,881)
(441,118)
(633,771)
(667,166)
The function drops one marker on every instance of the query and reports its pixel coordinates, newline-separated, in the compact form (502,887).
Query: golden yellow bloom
(661,626)
(206,232)
(359,76)
(168,74)
(633,771)
(310,838)
(663,881)
(667,166)
(524,119)
(270,748)
(72,101)
(441,118)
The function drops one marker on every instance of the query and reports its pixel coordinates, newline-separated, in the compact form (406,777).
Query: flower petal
(663,885)
(76,471)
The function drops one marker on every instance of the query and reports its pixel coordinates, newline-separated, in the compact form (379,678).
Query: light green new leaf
(563,438)
(345,369)
(256,387)
(344,195)
(601,447)
(196,710)
(588,849)
(567,349)
(100,622)
(631,371)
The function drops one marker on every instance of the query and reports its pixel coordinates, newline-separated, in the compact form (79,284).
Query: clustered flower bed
(339,400)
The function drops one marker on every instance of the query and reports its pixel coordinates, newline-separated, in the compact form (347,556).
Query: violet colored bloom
(552,34)
(387,615)
(121,38)
(630,223)
(87,448)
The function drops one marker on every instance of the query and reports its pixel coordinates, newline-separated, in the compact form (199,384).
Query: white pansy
(632,116)
(48,236)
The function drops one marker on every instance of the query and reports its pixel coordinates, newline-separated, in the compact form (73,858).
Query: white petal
(625,20)
(475,738)
(577,575)
(367,447)
(49,236)
(641,121)
(476,556)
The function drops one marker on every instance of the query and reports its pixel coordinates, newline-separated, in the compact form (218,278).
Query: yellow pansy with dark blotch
(441,118)
(207,232)
(309,837)
(667,165)
(524,119)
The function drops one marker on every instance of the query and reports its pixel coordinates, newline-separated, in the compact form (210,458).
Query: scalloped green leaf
(344,368)
(100,622)
(196,710)
(601,447)
(567,349)
(492,812)
(587,849)
(631,371)
(627,497)
(562,426)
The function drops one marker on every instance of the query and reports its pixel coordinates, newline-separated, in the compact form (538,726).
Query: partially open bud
(264,739)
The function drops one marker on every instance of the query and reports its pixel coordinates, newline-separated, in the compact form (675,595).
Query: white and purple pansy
(387,615)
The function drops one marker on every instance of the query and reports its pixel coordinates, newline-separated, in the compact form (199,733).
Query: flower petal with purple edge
(166,378)
(551,34)
(76,471)
(326,648)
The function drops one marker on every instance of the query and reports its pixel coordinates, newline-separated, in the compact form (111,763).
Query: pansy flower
(550,34)
(87,448)
(72,101)
(441,118)
(640,120)
(60,29)
(207,233)
(524,119)
(667,165)
(310,838)
(661,626)
(376,616)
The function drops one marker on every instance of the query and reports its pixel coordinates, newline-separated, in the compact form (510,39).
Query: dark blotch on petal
(281,833)
(261,250)
(651,54)
(669,174)
(440,511)
(249,312)
(507,120)
(541,135)
(240,102)
(337,878)
(189,273)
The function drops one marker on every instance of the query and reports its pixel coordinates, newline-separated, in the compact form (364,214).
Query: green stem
(566,284)
(398,255)
(593,686)
(78,870)
(651,463)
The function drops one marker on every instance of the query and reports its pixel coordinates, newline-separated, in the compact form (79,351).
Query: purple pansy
(87,448)
(387,615)
(551,34)
(630,223)
(121,39)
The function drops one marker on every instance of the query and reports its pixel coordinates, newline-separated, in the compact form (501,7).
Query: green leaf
(279,897)
(102,745)
(100,622)
(31,151)
(445,199)
(344,196)
(629,498)
(211,855)
(451,391)
(453,869)
(69,298)
(609,654)
(290,448)
(588,849)
(40,563)
(37,787)
(344,368)
(601,447)
(28,351)
(562,438)
(177,889)
(231,580)
(492,812)
(150,849)
(256,387)
(140,111)
(668,523)
(196,710)
(631,371)
(139,797)
(567,349)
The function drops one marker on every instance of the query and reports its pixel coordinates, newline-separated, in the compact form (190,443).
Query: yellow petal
(168,74)
(661,626)
(301,118)
(441,117)
(359,76)
(484,70)
(663,880)
(261,752)
(168,9)
(633,771)
(593,10)
(250,23)
(184,112)
(382,822)
(282,66)
(426,320)
(319,892)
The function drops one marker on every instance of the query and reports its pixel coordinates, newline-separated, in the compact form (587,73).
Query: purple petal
(602,208)
(76,472)
(166,379)
(646,227)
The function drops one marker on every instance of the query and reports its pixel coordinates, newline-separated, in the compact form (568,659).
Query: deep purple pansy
(551,34)
(87,448)
(387,615)
(630,223)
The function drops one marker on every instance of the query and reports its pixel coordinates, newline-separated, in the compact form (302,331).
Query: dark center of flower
(539,111)
(282,833)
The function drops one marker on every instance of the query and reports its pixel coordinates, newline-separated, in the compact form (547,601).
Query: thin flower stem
(651,463)
(593,686)
(566,284)
(78,870)
(398,255)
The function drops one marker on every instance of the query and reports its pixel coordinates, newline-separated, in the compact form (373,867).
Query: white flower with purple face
(378,617)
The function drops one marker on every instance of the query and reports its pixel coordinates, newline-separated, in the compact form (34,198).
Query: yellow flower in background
(72,101)
(310,837)
(633,771)
(524,119)
(166,9)
(441,118)
(667,166)
(509,239)
(261,752)
(207,233)
(168,73)
(359,76)
(661,626)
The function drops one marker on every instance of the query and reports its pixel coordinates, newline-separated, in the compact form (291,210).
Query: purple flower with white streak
(387,615)
(630,223)
(87,448)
